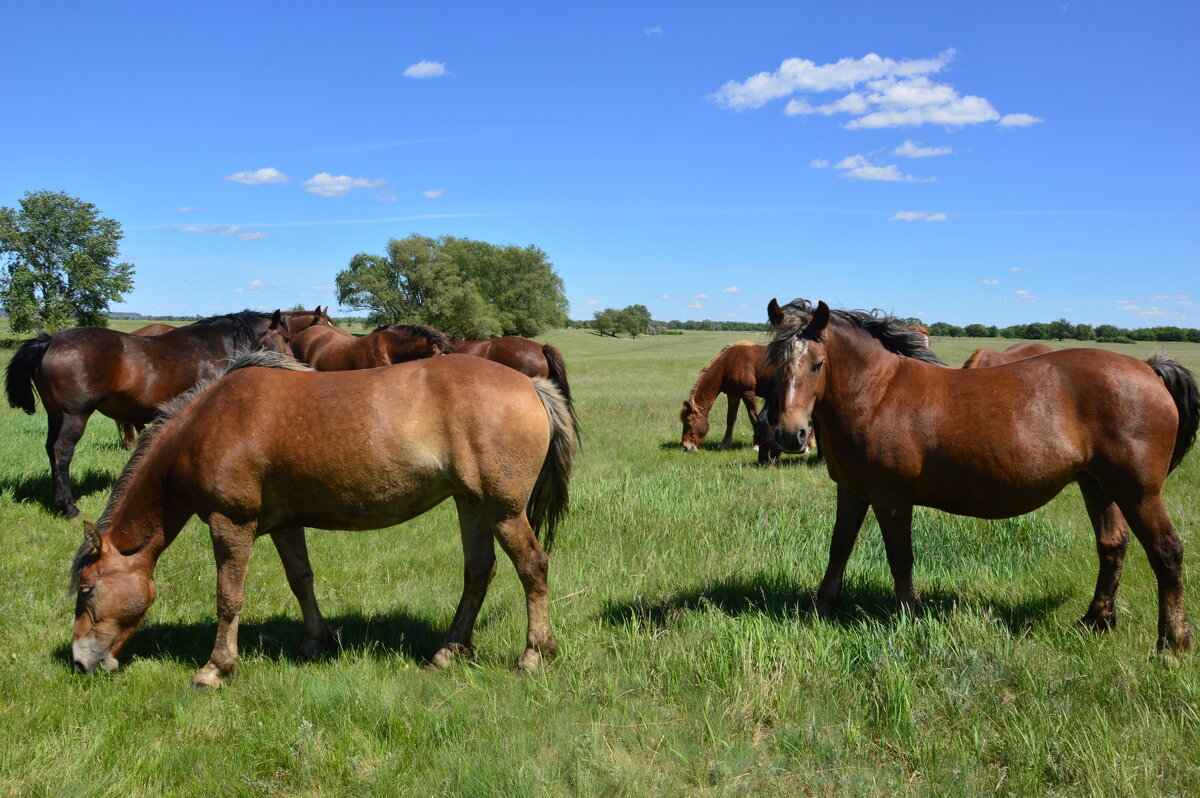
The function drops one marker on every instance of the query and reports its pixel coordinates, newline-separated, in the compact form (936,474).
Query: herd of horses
(422,417)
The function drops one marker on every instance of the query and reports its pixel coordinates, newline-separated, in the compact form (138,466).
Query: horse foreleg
(895,522)
(128,434)
(231,548)
(730,422)
(851,511)
(479,567)
(1112,541)
(521,545)
(293,552)
(1149,521)
(63,434)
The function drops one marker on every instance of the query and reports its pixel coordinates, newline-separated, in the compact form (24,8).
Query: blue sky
(999,162)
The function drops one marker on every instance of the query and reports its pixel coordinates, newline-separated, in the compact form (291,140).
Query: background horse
(328,348)
(986,358)
(80,370)
(528,357)
(738,372)
(129,432)
(900,429)
(356,450)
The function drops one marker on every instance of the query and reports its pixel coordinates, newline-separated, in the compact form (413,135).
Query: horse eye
(85,590)
(817,366)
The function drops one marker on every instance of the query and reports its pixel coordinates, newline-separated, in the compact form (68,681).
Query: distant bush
(1116,339)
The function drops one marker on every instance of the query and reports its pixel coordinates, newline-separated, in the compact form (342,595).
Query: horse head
(797,355)
(113,592)
(695,426)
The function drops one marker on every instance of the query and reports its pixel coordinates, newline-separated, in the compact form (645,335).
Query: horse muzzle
(88,654)
(792,442)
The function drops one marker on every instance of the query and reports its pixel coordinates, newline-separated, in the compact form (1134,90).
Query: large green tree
(60,264)
(416,283)
(459,285)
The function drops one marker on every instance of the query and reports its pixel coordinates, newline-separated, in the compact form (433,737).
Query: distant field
(691,664)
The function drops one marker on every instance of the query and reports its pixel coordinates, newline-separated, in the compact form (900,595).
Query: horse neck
(859,371)
(143,520)
(308,339)
(708,385)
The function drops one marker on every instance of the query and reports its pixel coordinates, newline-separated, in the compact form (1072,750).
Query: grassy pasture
(691,664)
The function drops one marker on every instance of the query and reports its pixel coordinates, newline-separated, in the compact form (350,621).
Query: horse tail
(549,501)
(558,371)
(19,375)
(1181,384)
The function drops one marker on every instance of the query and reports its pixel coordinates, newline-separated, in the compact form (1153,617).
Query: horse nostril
(79,666)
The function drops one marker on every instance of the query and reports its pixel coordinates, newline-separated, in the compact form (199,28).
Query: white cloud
(1068,310)
(1018,268)
(936,217)
(701,296)
(433,193)
(733,289)
(1161,297)
(857,167)
(1019,120)
(593,302)
(912,216)
(743,305)
(990,282)
(695,306)
(187,209)
(730,315)
(258,177)
(913,149)
(325,184)
(666,296)
(245,234)
(653,31)
(425,69)
(879,93)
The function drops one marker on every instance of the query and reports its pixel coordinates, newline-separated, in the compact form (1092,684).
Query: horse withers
(899,429)
(356,450)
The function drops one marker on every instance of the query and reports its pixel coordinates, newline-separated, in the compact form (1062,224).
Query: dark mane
(166,411)
(244,334)
(431,334)
(789,341)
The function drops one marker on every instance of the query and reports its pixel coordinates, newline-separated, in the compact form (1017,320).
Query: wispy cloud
(325,184)
(653,31)
(1018,268)
(218,230)
(593,302)
(433,193)
(733,289)
(857,167)
(701,296)
(425,69)
(695,306)
(913,149)
(879,93)
(258,177)
(989,282)
(666,296)
(913,216)
(186,209)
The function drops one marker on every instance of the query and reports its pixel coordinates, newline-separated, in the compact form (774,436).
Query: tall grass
(691,664)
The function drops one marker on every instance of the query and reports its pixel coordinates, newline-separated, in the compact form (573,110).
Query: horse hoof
(1100,622)
(208,678)
(70,511)
(530,661)
(311,649)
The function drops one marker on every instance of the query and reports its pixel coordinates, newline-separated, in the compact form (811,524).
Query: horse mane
(973,360)
(889,331)
(243,325)
(431,334)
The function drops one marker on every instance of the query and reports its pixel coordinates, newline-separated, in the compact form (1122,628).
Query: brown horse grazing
(900,429)
(986,358)
(528,357)
(414,434)
(738,372)
(329,348)
(80,370)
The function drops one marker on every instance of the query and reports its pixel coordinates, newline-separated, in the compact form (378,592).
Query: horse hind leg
(1149,521)
(1112,541)
(521,545)
(479,567)
(293,553)
(62,435)
(730,422)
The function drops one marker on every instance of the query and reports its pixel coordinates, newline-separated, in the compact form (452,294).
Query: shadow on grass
(39,487)
(775,599)
(707,446)
(278,637)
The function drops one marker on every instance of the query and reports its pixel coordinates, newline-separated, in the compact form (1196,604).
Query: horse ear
(774,313)
(818,322)
(91,536)
(276,318)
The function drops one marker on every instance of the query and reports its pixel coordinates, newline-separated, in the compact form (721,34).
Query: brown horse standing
(900,429)
(528,357)
(80,370)
(129,432)
(986,358)
(405,438)
(329,348)
(737,372)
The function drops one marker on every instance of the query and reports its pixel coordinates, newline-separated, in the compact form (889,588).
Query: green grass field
(691,663)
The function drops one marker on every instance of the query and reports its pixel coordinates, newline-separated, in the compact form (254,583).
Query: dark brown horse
(900,429)
(81,370)
(356,450)
(129,432)
(329,348)
(738,373)
(528,357)
(986,358)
